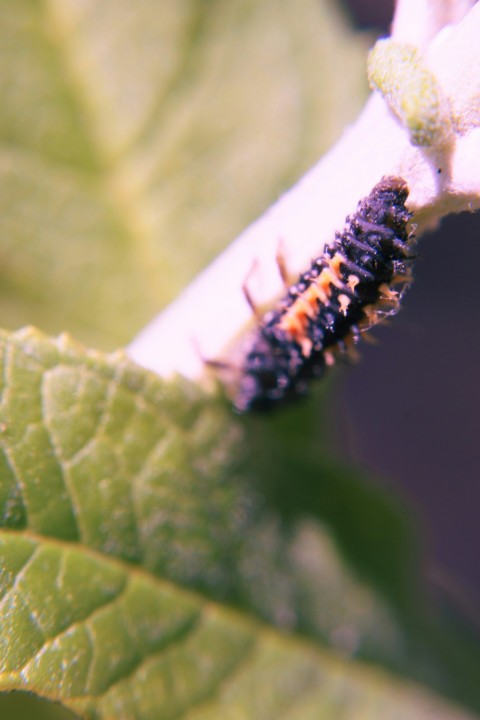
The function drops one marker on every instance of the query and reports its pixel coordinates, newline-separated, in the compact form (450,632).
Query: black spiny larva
(345,291)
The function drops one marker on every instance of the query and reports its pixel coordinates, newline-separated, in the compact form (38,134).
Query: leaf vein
(230,673)
(13,584)
(178,637)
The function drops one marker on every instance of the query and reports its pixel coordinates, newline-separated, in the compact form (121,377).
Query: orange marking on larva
(344,301)
(306,345)
(305,304)
(387,294)
(294,321)
(310,296)
(401,279)
(328,277)
(335,263)
(352,282)
(319,292)
(293,324)
(371,315)
(329,358)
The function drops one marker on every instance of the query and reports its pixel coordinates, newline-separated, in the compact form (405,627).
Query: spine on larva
(354,284)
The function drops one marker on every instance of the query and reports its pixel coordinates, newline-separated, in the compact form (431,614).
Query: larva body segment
(354,284)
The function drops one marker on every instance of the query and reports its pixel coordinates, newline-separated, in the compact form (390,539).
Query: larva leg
(248,295)
(281,261)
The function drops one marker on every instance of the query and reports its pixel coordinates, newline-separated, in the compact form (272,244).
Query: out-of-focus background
(410,408)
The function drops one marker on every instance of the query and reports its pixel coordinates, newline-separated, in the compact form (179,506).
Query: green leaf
(138,140)
(128,511)
(99,452)
(128,645)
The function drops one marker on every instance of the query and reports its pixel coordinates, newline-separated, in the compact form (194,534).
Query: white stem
(418,21)
(212,312)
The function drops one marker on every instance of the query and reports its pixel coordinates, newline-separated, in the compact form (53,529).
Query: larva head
(385,207)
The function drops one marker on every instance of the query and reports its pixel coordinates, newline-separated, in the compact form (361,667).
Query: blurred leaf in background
(139,139)
(152,542)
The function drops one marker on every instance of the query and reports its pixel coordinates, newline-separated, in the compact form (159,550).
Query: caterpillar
(346,290)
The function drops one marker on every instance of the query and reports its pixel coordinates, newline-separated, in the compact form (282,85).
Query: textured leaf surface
(136,140)
(98,452)
(127,645)
(111,518)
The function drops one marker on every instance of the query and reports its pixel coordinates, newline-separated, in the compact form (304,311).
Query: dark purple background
(371,14)
(411,407)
